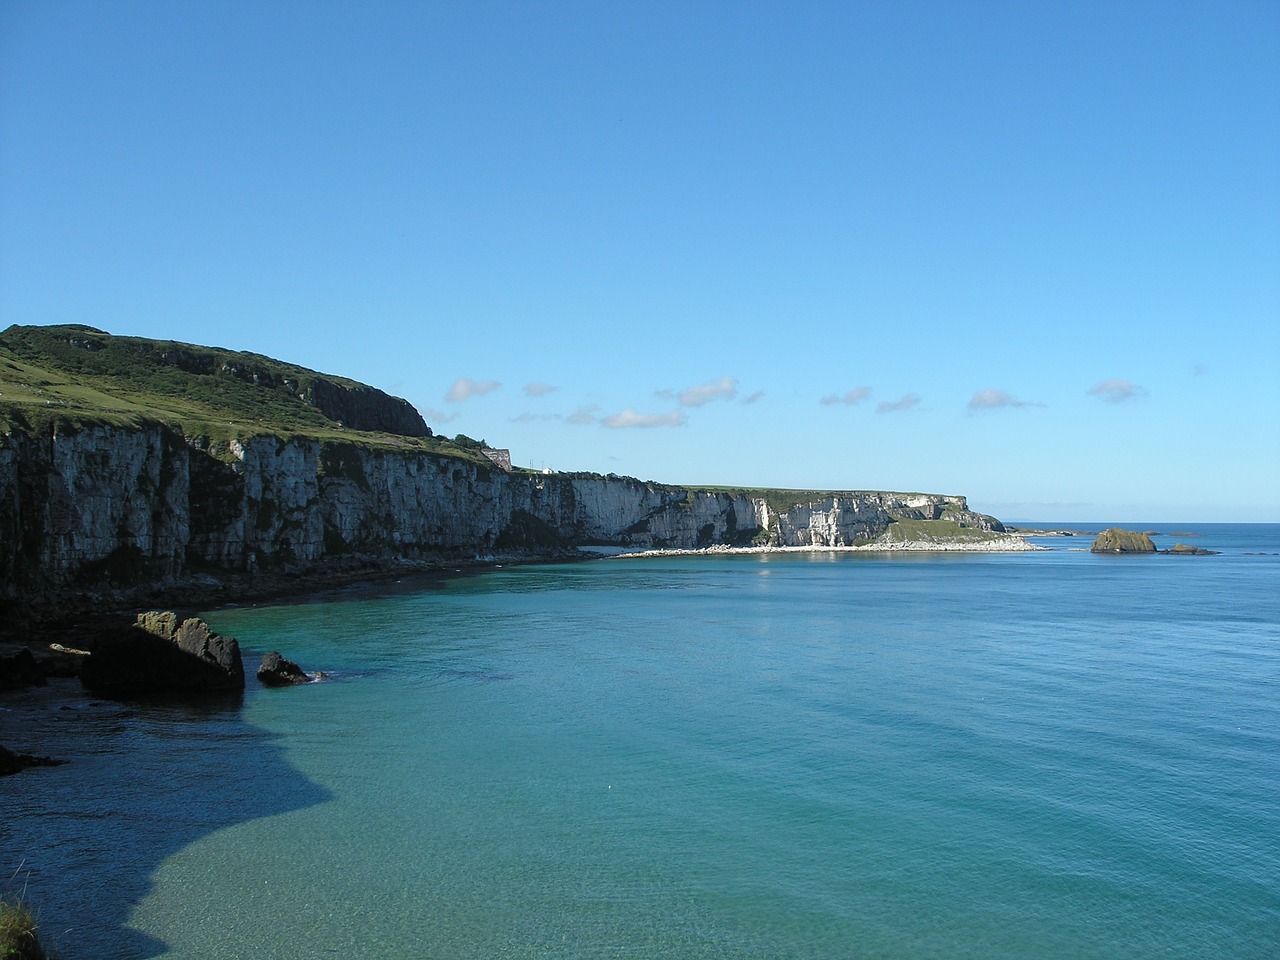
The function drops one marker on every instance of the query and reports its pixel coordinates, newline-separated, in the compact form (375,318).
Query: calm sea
(781,756)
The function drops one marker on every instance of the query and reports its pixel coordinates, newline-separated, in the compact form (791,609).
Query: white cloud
(528,417)
(849,398)
(537,389)
(753,397)
(629,418)
(726,387)
(583,415)
(1117,391)
(464,389)
(997,400)
(906,403)
(438,416)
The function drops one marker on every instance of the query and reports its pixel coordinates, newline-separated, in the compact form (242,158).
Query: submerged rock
(1116,540)
(1186,550)
(11,762)
(159,656)
(276,671)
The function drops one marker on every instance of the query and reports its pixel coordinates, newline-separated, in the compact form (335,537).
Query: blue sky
(1029,253)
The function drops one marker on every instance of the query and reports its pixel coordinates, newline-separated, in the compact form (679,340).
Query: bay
(777,755)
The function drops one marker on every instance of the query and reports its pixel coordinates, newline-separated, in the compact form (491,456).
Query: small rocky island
(1186,550)
(1116,540)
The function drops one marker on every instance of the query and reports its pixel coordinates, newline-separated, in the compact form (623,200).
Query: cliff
(121,508)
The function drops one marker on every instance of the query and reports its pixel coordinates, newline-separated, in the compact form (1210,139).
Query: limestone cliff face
(129,509)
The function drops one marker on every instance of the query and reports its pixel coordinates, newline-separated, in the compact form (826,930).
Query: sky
(1024,252)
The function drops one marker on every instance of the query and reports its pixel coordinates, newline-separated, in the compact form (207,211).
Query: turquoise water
(776,756)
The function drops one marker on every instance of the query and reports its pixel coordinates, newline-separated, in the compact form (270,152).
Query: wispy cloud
(464,389)
(1117,391)
(630,418)
(537,389)
(997,400)
(438,416)
(849,398)
(906,403)
(752,398)
(725,387)
(1199,369)
(528,417)
(582,416)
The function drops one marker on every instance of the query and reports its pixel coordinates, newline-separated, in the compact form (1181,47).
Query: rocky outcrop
(11,762)
(1187,550)
(276,671)
(1116,540)
(118,512)
(20,669)
(363,408)
(159,656)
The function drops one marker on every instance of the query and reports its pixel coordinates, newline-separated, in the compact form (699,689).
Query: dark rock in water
(1115,540)
(57,660)
(276,671)
(159,656)
(11,762)
(20,670)
(193,636)
(1186,550)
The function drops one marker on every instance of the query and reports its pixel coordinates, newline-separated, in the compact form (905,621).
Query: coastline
(71,618)
(996,545)
(66,615)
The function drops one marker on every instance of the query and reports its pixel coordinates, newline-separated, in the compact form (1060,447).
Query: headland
(138,473)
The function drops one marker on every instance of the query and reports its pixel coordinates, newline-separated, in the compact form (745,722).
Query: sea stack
(1115,540)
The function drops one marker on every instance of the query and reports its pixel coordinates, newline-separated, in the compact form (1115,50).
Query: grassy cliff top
(782,500)
(75,376)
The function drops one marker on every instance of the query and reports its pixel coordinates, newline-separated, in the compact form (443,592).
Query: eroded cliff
(131,468)
(129,510)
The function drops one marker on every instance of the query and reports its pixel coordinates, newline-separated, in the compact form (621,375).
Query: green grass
(902,531)
(18,940)
(47,382)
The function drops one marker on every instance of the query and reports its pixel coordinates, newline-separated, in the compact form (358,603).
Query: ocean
(820,755)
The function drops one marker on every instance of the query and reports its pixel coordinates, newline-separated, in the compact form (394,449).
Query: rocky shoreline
(997,545)
(72,614)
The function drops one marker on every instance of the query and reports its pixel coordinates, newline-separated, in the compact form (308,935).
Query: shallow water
(809,756)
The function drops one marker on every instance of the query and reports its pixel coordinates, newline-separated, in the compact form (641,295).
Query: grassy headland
(72,377)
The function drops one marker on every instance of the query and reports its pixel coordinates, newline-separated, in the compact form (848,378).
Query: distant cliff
(120,506)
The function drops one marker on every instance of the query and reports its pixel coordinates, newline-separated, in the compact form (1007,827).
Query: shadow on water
(82,841)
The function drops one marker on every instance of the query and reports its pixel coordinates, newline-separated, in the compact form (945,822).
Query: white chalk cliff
(129,509)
